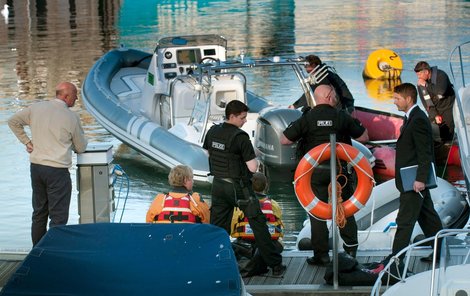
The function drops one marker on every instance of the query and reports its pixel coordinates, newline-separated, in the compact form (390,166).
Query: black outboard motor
(278,159)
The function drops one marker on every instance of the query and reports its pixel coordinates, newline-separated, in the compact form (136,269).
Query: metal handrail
(295,62)
(458,49)
(441,234)
(456,53)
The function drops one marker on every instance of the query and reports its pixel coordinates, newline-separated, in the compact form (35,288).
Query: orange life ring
(312,159)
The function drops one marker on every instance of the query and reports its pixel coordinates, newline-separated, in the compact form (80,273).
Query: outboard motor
(271,123)
(277,159)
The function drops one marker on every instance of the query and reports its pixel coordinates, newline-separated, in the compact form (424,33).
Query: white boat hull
(456,282)
(382,208)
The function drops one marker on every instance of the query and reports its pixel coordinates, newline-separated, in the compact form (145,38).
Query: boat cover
(129,259)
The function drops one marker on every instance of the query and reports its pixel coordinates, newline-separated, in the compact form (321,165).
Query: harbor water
(45,42)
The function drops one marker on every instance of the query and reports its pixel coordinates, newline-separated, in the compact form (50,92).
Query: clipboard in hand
(408,177)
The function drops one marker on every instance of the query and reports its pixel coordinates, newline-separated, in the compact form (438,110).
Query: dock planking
(302,279)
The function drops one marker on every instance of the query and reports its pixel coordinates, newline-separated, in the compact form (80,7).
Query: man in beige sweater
(55,132)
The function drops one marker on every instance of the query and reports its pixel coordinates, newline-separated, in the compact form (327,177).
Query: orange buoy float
(303,174)
(383,64)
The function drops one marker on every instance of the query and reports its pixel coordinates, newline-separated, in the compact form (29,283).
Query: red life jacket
(176,210)
(242,228)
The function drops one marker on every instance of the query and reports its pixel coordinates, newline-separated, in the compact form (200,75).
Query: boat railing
(204,80)
(459,65)
(204,73)
(402,269)
(296,63)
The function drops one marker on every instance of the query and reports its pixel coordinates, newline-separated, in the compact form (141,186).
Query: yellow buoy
(383,64)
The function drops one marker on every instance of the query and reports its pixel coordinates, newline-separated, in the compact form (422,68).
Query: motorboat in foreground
(162,103)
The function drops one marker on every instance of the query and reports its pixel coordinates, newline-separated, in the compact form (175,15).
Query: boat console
(176,91)
(176,56)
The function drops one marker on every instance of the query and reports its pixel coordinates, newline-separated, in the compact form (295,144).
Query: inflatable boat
(162,103)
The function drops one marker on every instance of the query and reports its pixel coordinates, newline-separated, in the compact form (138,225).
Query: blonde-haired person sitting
(180,205)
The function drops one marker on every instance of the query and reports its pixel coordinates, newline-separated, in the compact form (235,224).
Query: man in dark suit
(414,147)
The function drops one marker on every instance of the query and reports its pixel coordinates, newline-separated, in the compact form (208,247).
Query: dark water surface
(46,41)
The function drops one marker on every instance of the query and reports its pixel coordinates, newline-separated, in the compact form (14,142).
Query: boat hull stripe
(136,127)
(146,131)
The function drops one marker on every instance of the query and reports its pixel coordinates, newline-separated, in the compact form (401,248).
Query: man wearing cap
(437,95)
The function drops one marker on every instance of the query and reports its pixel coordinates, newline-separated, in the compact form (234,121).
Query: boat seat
(184,96)
(224,91)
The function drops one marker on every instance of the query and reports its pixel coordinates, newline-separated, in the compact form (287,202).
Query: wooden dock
(9,262)
(300,278)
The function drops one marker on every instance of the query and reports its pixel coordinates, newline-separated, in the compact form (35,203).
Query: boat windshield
(192,41)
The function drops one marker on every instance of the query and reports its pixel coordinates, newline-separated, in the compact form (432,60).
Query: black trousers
(319,231)
(414,208)
(52,189)
(225,197)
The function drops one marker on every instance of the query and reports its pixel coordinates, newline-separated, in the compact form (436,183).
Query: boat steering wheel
(206,60)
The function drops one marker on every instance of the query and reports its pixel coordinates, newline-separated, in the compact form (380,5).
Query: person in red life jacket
(245,245)
(270,208)
(180,205)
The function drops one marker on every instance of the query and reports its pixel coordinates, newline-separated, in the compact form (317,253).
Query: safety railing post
(333,208)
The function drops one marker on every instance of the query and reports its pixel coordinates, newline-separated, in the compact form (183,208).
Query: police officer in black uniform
(315,127)
(232,162)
